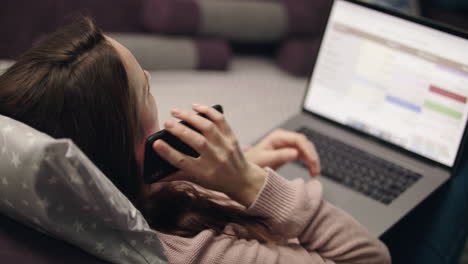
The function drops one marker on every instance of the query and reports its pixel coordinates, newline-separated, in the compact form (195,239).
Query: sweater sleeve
(296,211)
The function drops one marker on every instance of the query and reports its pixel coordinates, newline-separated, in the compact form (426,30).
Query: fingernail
(315,172)
(175,111)
(156,142)
(196,105)
(169,123)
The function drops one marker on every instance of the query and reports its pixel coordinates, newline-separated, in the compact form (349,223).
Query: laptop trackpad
(332,192)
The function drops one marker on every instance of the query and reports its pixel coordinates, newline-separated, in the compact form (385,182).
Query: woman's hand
(221,165)
(282,146)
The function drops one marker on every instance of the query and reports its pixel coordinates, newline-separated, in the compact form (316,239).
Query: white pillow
(51,186)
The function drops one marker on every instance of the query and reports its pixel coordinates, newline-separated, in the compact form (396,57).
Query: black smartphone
(155,167)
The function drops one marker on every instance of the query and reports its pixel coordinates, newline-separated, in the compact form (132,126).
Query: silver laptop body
(394,87)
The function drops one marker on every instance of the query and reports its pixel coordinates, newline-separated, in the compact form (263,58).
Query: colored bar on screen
(443,109)
(443,92)
(452,70)
(403,103)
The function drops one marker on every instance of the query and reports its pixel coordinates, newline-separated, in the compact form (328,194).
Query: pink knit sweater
(317,232)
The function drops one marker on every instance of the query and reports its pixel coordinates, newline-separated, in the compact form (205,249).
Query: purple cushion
(23,21)
(171,16)
(307,17)
(297,56)
(213,54)
(21,244)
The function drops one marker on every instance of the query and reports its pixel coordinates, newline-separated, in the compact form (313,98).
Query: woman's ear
(148,75)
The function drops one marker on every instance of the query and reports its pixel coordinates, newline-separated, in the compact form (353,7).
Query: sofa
(255,93)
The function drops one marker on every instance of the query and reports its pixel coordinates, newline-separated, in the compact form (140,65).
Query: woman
(225,206)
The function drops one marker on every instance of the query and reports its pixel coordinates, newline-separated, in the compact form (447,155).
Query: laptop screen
(392,78)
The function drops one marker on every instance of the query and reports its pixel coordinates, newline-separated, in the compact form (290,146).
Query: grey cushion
(159,52)
(51,186)
(238,21)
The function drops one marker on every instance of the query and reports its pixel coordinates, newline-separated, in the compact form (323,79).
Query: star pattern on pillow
(43,204)
(99,247)
(24,185)
(124,250)
(78,226)
(69,207)
(4,181)
(4,132)
(7,202)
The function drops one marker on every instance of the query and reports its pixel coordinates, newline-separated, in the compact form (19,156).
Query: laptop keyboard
(359,170)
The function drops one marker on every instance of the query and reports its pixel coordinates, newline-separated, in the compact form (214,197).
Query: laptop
(386,106)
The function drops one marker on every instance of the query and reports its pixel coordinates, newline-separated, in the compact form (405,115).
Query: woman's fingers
(314,158)
(308,152)
(195,140)
(282,156)
(174,157)
(205,126)
(216,117)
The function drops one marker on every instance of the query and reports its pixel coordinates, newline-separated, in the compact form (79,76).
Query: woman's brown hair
(73,84)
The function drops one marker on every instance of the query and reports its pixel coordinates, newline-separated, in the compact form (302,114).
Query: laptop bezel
(419,20)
